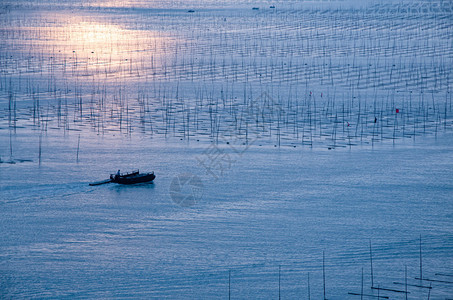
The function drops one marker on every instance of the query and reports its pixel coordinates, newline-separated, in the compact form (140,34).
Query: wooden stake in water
(78,146)
(308,285)
(279,281)
(371,264)
(361,288)
(405,280)
(323,276)
(39,151)
(229,284)
(10,145)
(421,273)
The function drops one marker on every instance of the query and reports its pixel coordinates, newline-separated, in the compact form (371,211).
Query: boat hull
(136,178)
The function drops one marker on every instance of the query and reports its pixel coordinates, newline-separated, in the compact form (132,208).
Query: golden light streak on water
(86,46)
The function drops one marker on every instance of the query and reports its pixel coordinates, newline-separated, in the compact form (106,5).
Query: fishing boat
(132,177)
(127,178)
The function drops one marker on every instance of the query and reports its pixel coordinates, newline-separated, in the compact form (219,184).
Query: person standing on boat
(118,173)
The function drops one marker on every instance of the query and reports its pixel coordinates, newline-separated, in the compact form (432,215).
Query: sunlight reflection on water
(91,87)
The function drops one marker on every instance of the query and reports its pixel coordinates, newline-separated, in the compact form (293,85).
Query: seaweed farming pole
(229,284)
(361,287)
(323,276)
(421,273)
(78,147)
(279,277)
(368,295)
(11,145)
(371,265)
(361,294)
(388,290)
(405,280)
(39,151)
(308,286)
